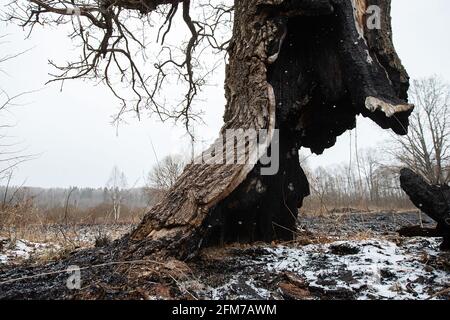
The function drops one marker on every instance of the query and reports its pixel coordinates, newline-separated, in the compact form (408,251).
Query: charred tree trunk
(306,68)
(433,200)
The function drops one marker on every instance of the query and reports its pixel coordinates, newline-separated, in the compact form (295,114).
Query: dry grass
(63,226)
(62,229)
(73,228)
(316,206)
(363,235)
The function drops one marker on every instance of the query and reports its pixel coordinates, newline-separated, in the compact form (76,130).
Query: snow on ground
(366,269)
(372,268)
(384,266)
(57,237)
(19,250)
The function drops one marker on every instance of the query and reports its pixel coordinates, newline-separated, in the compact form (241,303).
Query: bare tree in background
(340,188)
(70,191)
(426,148)
(14,203)
(10,154)
(370,164)
(116,185)
(165,173)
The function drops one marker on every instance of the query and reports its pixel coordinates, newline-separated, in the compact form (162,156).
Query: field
(334,256)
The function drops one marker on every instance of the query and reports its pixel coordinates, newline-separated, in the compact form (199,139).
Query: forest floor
(335,256)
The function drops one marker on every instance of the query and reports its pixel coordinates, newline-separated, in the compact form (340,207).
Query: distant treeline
(82,198)
(366,186)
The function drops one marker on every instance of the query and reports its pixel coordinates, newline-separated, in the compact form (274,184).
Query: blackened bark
(418,231)
(322,72)
(433,200)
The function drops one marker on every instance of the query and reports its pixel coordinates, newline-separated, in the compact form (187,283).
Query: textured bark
(433,200)
(306,68)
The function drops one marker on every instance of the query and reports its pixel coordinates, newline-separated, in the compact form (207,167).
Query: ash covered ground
(336,256)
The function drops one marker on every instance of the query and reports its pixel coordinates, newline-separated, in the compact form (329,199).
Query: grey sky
(71,129)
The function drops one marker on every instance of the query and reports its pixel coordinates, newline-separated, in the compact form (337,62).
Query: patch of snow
(19,250)
(381,269)
(370,269)
(238,288)
(219,292)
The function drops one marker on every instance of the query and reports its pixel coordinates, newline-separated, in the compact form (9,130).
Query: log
(433,200)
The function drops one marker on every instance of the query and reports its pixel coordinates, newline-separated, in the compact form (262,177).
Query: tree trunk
(305,68)
(433,200)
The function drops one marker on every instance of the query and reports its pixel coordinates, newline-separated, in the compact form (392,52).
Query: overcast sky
(71,130)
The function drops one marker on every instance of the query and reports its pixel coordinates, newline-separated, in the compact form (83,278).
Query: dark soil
(354,268)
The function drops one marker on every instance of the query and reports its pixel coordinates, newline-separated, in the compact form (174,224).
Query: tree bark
(433,200)
(306,68)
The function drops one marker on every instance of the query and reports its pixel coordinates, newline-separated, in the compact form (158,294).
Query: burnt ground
(349,224)
(337,256)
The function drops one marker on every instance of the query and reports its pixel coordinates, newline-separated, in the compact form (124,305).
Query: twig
(83,268)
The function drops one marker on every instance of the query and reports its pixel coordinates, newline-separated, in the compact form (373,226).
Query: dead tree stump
(433,200)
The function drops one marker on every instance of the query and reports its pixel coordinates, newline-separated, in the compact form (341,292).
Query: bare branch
(107,34)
